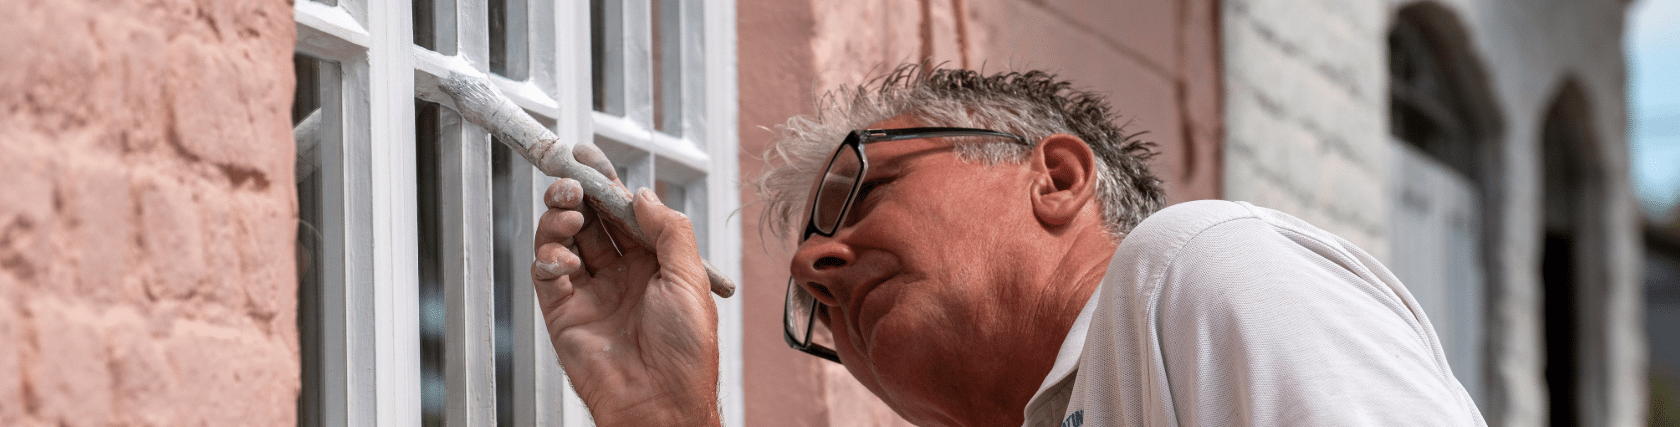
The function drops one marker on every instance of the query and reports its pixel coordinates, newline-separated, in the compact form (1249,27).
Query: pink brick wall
(1157,60)
(147,214)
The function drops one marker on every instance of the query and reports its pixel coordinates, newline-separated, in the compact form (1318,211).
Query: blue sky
(1653,41)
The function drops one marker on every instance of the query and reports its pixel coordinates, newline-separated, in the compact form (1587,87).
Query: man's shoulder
(1213,236)
(1171,228)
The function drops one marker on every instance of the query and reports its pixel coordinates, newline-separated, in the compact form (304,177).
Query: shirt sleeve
(1223,314)
(1264,324)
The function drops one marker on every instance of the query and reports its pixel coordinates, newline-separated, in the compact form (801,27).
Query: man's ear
(1066,178)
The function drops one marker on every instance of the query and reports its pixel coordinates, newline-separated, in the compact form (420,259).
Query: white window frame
(370,364)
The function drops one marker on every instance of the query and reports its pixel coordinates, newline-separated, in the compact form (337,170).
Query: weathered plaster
(145,268)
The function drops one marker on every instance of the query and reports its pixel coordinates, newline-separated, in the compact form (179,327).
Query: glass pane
(509,52)
(312,127)
(606,55)
(674,195)
(836,186)
(597,53)
(434,25)
(434,390)
(327,2)
(667,66)
(505,204)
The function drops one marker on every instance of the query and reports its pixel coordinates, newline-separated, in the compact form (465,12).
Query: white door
(1436,235)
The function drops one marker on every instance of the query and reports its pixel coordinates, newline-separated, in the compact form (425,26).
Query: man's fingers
(549,274)
(558,226)
(564,194)
(553,262)
(672,236)
(590,155)
(593,244)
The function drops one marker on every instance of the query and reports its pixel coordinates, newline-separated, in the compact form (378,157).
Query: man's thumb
(671,234)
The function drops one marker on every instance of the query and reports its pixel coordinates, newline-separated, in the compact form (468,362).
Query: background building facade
(166,242)
(1476,143)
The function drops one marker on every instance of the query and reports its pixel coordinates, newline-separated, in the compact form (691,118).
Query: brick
(104,211)
(267,284)
(1310,111)
(1318,30)
(1271,141)
(70,377)
(24,248)
(143,382)
(246,375)
(223,277)
(12,404)
(1268,68)
(174,239)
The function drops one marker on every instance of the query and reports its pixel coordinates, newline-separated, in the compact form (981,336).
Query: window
(415,302)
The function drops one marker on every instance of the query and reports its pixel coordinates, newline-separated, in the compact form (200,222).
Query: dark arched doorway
(1572,268)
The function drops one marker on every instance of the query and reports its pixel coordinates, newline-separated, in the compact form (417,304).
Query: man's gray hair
(1033,105)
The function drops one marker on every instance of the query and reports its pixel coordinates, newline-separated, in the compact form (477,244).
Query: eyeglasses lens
(838,181)
(797,314)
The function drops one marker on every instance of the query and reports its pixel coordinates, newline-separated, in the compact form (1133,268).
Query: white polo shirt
(1225,314)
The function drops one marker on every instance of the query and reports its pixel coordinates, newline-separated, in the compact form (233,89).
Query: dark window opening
(434,388)
(509,53)
(306,101)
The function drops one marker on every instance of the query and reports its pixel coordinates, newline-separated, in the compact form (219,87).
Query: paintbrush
(483,105)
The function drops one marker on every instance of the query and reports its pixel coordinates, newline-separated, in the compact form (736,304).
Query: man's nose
(817,266)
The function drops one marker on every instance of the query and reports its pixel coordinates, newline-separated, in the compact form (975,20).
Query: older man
(985,250)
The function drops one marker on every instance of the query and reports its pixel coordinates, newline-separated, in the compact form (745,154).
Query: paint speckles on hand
(550,269)
(566,194)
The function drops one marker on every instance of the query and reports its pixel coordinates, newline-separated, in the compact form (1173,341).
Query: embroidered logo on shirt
(1076,419)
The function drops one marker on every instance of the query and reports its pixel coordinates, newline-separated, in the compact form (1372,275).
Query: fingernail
(649,196)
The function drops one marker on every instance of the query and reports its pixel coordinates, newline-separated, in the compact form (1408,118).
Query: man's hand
(635,327)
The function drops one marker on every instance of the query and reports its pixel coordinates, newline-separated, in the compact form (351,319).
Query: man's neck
(1082,268)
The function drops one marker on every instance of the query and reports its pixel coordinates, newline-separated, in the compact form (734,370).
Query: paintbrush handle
(483,105)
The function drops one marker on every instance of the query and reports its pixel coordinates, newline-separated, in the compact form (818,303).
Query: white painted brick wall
(1306,106)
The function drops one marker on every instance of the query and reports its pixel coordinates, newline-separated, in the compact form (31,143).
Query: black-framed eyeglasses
(841,179)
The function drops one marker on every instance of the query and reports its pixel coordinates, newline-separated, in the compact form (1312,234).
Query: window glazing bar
(468,281)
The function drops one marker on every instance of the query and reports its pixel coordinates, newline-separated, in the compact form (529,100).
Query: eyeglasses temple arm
(928,132)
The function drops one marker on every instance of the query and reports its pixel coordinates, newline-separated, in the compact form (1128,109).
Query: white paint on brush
(483,105)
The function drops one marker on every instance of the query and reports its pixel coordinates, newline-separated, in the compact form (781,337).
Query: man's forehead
(894,123)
